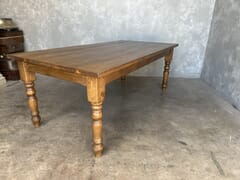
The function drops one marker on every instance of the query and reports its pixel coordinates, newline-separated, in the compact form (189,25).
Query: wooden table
(93,66)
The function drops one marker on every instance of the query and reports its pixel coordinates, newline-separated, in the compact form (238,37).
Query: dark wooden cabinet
(10,42)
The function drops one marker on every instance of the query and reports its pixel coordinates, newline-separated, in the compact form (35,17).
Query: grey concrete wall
(56,23)
(222,61)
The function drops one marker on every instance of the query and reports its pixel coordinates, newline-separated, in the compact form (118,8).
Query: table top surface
(95,58)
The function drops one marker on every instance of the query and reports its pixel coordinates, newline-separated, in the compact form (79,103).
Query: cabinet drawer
(12,44)
(11,48)
(10,33)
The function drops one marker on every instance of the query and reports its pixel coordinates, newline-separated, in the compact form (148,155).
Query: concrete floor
(188,133)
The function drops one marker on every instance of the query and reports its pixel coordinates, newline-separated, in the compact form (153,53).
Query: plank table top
(94,66)
(96,59)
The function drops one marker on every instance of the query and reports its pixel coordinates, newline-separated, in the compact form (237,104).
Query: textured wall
(56,23)
(222,60)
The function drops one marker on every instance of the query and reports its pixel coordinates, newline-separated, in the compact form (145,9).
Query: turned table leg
(167,60)
(28,78)
(96,93)
(33,103)
(97,128)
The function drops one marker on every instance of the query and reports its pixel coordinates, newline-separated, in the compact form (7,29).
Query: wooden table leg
(28,78)
(167,60)
(96,93)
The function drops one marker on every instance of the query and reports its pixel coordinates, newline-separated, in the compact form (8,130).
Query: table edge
(94,74)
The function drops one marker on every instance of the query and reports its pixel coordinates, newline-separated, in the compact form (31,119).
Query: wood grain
(97,59)
(96,95)
(28,77)
(93,66)
(167,61)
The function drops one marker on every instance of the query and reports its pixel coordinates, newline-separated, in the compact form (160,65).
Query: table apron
(124,70)
(58,73)
(108,76)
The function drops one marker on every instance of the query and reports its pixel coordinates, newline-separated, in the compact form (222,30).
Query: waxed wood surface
(93,66)
(96,59)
